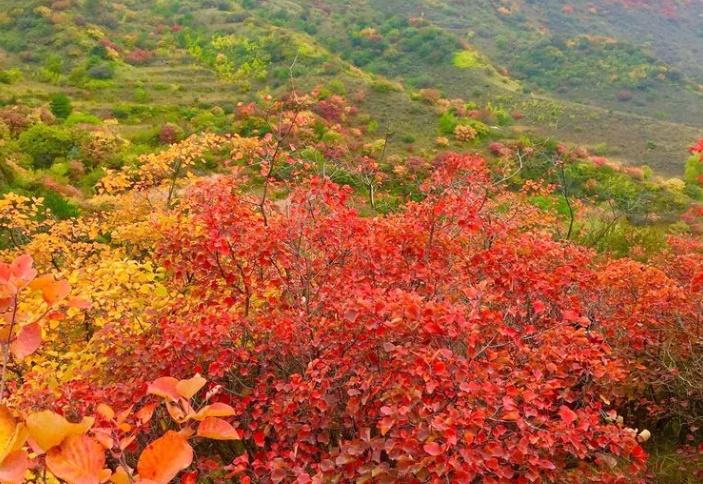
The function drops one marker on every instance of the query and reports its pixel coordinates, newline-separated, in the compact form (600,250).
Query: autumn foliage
(253,328)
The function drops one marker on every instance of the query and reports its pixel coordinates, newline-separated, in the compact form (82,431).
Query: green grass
(466,59)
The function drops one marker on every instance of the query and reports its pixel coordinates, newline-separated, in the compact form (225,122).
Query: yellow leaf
(49,429)
(105,411)
(188,388)
(120,476)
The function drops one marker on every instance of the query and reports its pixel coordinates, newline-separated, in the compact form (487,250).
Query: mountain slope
(618,74)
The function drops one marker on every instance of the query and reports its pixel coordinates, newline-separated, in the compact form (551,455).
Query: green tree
(45,143)
(693,170)
(61,106)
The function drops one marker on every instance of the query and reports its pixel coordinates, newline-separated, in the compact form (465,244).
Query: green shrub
(102,71)
(81,118)
(142,96)
(45,143)
(693,170)
(447,122)
(10,76)
(61,106)
(60,206)
(466,59)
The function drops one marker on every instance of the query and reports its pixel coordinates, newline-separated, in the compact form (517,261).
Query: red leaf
(567,415)
(433,328)
(570,315)
(538,306)
(278,475)
(78,303)
(27,341)
(189,478)
(639,453)
(4,273)
(21,268)
(432,448)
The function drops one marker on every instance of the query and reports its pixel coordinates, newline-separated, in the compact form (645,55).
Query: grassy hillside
(571,72)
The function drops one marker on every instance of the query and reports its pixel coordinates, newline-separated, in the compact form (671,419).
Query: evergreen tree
(61,106)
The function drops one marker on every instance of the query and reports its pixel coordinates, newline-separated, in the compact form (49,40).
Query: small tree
(45,143)
(61,106)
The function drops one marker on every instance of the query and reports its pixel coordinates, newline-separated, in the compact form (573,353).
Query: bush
(46,143)
(447,123)
(61,106)
(101,71)
(80,118)
(60,207)
(170,133)
(10,76)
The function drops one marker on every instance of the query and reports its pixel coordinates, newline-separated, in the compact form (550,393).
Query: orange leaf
(164,458)
(56,292)
(27,341)
(4,273)
(5,302)
(78,303)
(79,460)
(122,416)
(180,411)
(214,410)
(217,429)
(145,413)
(105,411)
(42,281)
(12,434)
(49,429)
(104,436)
(188,388)
(14,466)
(165,387)
(126,442)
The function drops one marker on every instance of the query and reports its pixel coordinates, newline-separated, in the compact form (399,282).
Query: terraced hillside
(620,75)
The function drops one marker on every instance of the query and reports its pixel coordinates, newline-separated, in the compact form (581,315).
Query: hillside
(322,241)
(535,59)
